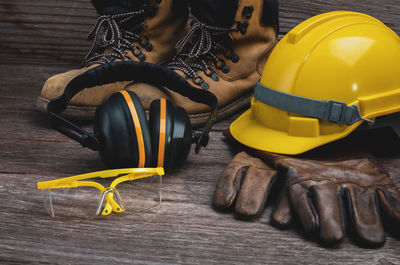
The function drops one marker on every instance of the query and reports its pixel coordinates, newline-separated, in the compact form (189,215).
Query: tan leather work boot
(136,30)
(224,51)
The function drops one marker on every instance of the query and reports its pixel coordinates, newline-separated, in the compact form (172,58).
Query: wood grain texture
(54,32)
(41,38)
(185,230)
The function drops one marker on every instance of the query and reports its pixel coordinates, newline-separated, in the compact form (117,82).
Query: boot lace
(198,48)
(111,41)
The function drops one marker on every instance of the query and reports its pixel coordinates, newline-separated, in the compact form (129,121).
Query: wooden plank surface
(40,38)
(52,32)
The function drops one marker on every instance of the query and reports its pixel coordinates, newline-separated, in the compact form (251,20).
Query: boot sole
(87,113)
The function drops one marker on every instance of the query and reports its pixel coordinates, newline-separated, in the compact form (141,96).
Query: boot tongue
(113,7)
(220,13)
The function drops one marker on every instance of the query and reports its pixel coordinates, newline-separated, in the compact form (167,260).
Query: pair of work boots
(222,47)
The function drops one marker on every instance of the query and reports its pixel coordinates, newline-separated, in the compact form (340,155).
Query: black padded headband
(128,71)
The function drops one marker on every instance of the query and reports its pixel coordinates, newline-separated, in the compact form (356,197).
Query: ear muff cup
(178,134)
(115,127)
(181,138)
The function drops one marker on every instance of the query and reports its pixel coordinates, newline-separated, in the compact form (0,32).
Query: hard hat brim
(251,133)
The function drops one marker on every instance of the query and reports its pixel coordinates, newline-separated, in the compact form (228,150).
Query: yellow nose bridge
(111,205)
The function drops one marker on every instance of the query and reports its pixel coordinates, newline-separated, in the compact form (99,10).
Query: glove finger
(281,215)
(389,202)
(304,208)
(228,184)
(330,211)
(254,191)
(364,215)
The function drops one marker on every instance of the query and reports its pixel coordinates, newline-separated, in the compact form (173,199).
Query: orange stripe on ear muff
(161,136)
(138,128)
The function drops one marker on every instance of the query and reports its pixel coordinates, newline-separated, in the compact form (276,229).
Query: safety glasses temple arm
(155,171)
(75,181)
(57,184)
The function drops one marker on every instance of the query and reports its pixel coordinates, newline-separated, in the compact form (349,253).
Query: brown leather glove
(324,195)
(246,182)
(321,193)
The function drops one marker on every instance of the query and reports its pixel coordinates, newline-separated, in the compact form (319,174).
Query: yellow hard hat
(324,79)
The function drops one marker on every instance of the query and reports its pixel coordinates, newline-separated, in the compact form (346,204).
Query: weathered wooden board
(40,38)
(184,230)
(52,32)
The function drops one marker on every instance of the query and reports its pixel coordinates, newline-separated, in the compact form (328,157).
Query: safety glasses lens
(79,202)
(139,195)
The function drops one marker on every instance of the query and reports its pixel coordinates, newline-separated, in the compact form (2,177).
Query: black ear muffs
(121,126)
(121,132)
(126,140)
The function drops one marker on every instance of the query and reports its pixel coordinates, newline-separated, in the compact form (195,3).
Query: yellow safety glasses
(78,197)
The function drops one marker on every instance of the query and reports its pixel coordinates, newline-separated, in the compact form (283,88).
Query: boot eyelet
(142,57)
(232,56)
(242,26)
(215,77)
(198,80)
(204,85)
(243,29)
(235,58)
(226,69)
(139,54)
(211,74)
(223,66)
(247,11)
(149,47)
(145,43)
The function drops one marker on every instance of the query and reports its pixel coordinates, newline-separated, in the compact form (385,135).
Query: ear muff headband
(127,71)
(162,135)
(138,128)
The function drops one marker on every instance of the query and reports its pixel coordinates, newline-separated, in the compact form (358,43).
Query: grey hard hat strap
(331,111)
